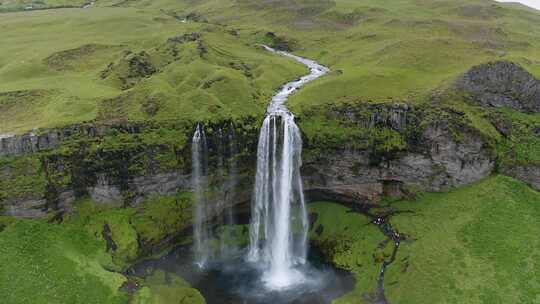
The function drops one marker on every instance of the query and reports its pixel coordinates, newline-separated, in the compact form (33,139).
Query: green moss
(162,216)
(475,244)
(125,230)
(166,288)
(111,227)
(475,117)
(71,262)
(350,242)
(21,177)
(6,221)
(323,132)
(522,145)
(48,263)
(385,140)
(232,236)
(320,131)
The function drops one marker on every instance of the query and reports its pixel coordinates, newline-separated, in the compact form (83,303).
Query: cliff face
(355,153)
(117,165)
(121,166)
(431,157)
(11,145)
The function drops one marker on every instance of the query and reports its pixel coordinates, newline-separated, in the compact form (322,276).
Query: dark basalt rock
(27,143)
(441,152)
(502,84)
(40,140)
(529,174)
(185,38)
(119,177)
(280,43)
(25,208)
(444,164)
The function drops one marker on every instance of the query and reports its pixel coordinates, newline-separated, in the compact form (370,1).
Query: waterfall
(279,221)
(201,211)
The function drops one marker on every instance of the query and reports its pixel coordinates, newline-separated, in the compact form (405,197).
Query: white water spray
(279,222)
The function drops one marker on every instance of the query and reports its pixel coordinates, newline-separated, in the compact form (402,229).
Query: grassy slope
(522,147)
(70,262)
(476,244)
(166,288)
(44,263)
(394,50)
(74,92)
(379,51)
(350,242)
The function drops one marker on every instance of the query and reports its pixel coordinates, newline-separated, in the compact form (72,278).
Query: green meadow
(112,61)
(476,244)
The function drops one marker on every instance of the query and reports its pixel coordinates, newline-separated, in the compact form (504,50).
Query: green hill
(60,66)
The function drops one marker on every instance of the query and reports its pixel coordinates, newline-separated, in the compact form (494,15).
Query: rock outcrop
(502,84)
(26,207)
(11,145)
(116,165)
(47,139)
(529,174)
(434,161)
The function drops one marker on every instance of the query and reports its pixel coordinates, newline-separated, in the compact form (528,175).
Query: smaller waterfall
(201,211)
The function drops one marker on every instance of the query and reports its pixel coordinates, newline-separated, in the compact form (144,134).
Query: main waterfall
(279,221)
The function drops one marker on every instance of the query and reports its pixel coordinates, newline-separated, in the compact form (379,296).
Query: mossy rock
(166,288)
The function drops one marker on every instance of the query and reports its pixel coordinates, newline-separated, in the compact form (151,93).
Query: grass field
(476,244)
(54,62)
